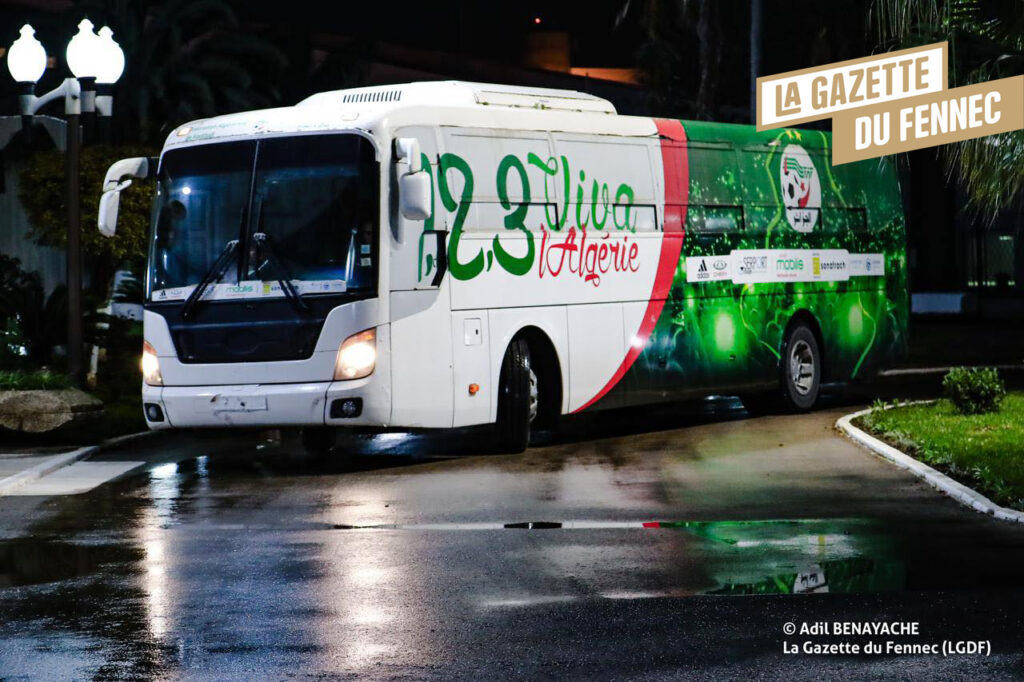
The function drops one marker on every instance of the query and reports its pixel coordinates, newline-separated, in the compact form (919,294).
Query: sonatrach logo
(801,188)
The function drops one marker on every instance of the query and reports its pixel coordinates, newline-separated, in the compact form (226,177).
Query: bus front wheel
(801,368)
(518,398)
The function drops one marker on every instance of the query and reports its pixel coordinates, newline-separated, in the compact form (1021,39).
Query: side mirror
(109,203)
(414,195)
(137,167)
(407,150)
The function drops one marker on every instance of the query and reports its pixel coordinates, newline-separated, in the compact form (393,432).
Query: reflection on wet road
(668,553)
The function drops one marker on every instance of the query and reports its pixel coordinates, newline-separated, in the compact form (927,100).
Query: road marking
(573,525)
(80,477)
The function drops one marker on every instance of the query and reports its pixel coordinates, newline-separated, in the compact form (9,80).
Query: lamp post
(90,58)
(109,69)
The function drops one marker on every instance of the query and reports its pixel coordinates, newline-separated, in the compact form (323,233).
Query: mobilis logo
(801,188)
(790,265)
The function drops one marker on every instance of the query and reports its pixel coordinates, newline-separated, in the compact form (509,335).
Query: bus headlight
(357,356)
(151,366)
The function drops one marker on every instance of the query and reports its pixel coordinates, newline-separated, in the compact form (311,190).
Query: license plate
(240,403)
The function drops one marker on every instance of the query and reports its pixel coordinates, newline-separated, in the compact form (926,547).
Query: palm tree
(184,59)
(986,41)
(669,25)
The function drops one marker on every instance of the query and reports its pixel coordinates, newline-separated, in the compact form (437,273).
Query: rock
(41,411)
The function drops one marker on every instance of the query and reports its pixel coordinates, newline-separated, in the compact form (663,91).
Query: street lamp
(90,57)
(83,60)
(26,60)
(110,66)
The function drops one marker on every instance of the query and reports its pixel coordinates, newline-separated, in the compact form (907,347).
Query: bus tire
(517,399)
(800,368)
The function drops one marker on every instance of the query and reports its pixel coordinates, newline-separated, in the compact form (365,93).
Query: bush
(44,197)
(15,380)
(974,391)
(31,324)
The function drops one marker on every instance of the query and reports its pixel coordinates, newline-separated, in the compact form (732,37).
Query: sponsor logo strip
(763,266)
(249,289)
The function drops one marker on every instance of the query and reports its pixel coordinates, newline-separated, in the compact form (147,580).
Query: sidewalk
(20,468)
(54,470)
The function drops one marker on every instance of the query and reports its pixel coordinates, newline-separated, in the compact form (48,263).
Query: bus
(437,255)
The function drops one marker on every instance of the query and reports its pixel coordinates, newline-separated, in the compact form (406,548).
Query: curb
(958,491)
(62,460)
(905,371)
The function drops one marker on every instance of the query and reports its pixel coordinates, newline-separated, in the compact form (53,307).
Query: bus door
(421,347)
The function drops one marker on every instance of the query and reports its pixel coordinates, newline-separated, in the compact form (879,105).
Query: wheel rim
(534,395)
(801,367)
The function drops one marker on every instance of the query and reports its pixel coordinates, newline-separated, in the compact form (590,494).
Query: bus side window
(714,175)
(716,189)
(610,182)
(841,221)
(716,219)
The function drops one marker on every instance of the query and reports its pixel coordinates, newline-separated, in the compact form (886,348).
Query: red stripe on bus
(677,188)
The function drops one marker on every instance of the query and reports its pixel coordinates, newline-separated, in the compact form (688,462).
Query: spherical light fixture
(111,59)
(83,54)
(26,60)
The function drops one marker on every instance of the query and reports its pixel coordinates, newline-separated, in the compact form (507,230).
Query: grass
(29,380)
(982,451)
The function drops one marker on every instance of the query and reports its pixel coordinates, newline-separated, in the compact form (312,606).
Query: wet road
(669,545)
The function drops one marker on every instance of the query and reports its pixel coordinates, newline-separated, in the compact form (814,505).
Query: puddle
(32,562)
(773,556)
(845,576)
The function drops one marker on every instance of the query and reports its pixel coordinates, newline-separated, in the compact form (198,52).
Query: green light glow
(855,320)
(725,332)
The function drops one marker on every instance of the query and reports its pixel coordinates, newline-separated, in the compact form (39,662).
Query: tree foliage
(185,59)
(670,26)
(986,41)
(44,197)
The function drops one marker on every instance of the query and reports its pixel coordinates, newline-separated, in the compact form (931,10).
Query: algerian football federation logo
(801,189)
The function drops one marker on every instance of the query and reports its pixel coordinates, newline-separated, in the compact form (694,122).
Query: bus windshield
(303,210)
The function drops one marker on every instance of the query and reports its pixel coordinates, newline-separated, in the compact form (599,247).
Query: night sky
(796,33)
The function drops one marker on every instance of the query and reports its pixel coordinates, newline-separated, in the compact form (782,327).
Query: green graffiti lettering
(516,220)
(581,222)
(550,169)
(599,224)
(626,191)
(475,265)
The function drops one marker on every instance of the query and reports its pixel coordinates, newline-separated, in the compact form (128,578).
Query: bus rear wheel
(518,398)
(800,368)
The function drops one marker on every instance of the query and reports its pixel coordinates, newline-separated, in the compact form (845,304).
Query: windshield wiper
(285,279)
(212,275)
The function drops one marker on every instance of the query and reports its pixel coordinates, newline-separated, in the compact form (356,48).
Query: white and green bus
(447,254)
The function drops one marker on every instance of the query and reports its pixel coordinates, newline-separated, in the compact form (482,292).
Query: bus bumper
(264,405)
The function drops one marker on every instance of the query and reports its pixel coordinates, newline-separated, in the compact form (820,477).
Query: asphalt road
(668,545)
